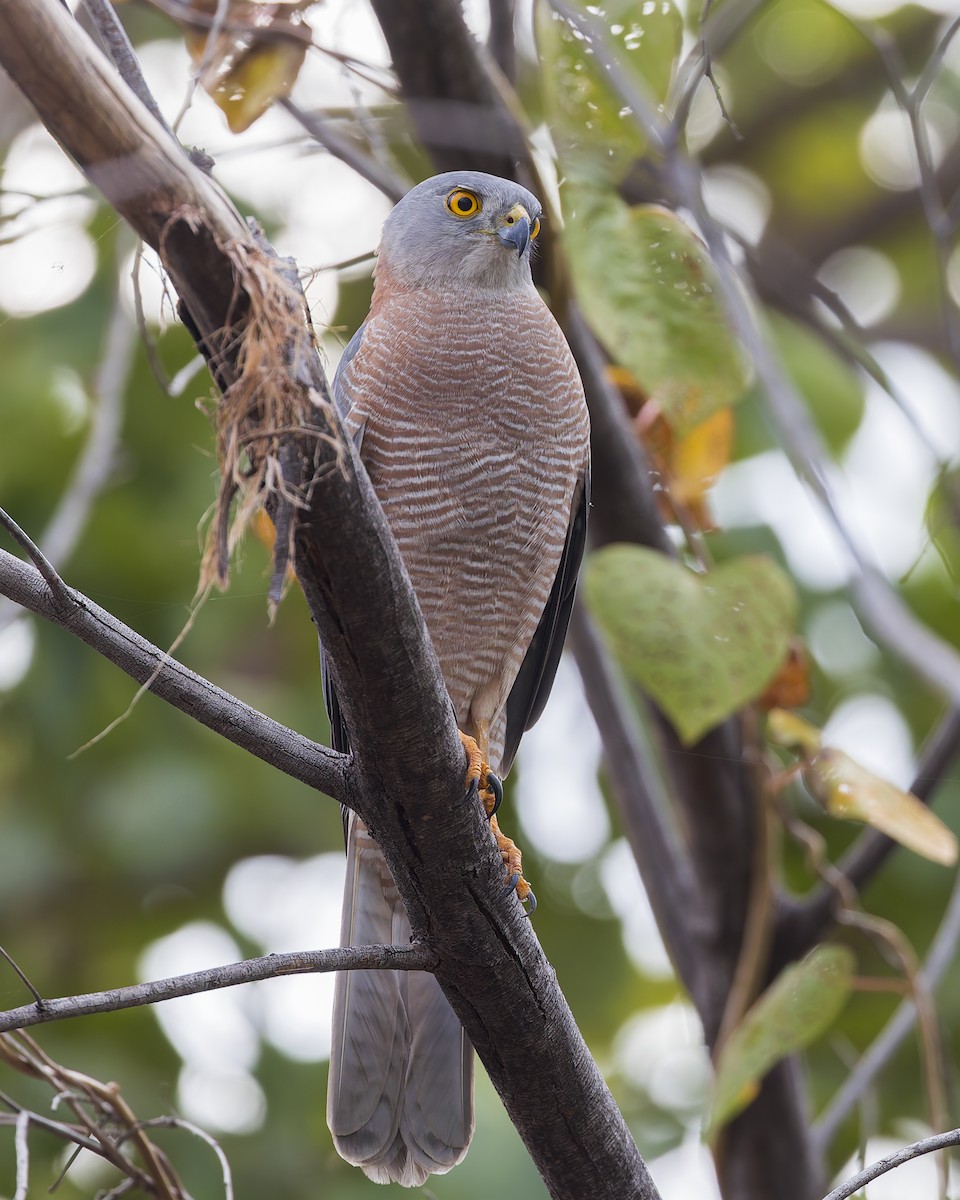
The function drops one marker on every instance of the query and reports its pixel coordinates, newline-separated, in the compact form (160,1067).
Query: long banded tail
(400,1098)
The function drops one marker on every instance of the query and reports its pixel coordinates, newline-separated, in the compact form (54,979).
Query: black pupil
(465,203)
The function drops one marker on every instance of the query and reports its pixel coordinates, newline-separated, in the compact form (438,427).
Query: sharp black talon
(511,883)
(532,901)
(473,791)
(495,784)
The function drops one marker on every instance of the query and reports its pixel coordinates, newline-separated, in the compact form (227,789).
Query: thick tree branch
(502,42)
(251,970)
(408,762)
(317,766)
(457,111)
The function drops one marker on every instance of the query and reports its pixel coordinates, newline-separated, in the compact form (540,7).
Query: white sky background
(325,214)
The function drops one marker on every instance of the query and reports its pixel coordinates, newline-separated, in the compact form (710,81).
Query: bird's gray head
(462,228)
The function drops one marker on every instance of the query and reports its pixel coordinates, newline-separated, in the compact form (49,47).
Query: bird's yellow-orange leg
(478,775)
(513,861)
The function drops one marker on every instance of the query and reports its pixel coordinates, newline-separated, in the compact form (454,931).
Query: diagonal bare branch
(251,970)
(666,871)
(283,748)
(344,148)
(930,1145)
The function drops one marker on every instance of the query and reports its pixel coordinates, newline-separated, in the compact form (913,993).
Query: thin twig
(758,922)
(251,970)
(933,64)
(67,1132)
(641,800)
(885,1045)
(930,1145)
(22,1149)
(26,1056)
(701,68)
(108,1112)
(189,1127)
(787,280)
(891,941)
(59,593)
(211,47)
(718,28)
(910,104)
(341,147)
(22,974)
(97,459)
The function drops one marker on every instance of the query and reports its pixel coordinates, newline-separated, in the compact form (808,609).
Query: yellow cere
(463,203)
(516,213)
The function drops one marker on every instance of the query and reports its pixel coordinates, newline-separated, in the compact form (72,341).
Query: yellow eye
(536,228)
(463,203)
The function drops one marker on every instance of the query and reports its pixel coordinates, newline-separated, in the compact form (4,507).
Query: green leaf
(851,792)
(797,1008)
(589,120)
(649,290)
(701,645)
(829,385)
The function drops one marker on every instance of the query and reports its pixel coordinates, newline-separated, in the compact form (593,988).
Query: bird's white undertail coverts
(472,424)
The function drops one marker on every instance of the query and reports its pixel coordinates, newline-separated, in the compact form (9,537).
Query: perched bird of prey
(466,403)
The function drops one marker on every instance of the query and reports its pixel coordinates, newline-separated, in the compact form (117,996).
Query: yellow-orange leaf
(791,685)
(264,73)
(792,732)
(851,792)
(254,60)
(700,456)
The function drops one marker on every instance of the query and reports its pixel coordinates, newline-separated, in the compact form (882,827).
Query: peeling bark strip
(408,764)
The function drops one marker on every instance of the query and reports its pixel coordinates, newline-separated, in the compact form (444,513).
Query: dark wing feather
(339,738)
(531,688)
(339,396)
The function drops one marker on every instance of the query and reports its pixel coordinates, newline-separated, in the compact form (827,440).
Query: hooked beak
(515,230)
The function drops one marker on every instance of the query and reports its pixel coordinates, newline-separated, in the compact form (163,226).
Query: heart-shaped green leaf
(649,290)
(800,1005)
(701,645)
(851,792)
